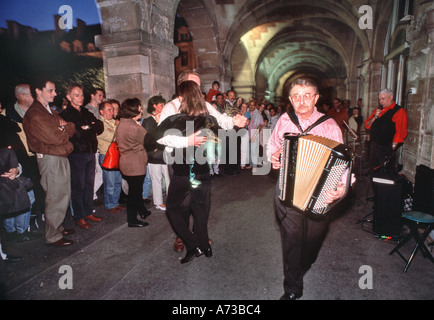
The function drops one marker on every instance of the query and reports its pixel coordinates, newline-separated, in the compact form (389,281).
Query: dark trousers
(381,159)
(231,152)
(301,238)
(183,199)
(135,202)
(82,182)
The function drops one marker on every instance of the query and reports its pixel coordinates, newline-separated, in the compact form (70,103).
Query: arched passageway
(252,46)
(258,47)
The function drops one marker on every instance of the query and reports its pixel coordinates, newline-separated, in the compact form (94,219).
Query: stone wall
(419,144)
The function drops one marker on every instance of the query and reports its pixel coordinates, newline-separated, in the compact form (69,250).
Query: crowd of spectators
(78,140)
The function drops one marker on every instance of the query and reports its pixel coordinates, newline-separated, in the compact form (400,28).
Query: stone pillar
(138,62)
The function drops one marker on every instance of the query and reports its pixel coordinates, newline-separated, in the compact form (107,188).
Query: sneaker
(33,226)
(161,207)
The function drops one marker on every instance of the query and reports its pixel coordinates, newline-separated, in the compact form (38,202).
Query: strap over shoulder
(294,119)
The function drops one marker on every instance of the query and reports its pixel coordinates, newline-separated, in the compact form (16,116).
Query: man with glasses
(300,249)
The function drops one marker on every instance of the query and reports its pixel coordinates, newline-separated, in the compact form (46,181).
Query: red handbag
(111,158)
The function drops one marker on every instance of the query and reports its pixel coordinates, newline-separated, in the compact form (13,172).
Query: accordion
(310,166)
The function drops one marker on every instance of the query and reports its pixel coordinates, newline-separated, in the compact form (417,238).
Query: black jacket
(155,154)
(189,164)
(84,140)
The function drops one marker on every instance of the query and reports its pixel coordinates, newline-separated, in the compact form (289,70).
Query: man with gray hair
(301,235)
(24,101)
(16,112)
(388,129)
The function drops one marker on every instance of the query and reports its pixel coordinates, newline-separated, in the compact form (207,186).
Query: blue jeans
(112,181)
(146,184)
(21,222)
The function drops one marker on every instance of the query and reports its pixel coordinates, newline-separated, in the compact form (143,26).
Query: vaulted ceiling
(311,39)
(268,44)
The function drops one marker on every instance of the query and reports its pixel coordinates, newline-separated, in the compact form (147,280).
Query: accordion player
(310,166)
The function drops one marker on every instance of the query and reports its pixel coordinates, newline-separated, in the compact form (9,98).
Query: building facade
(352,48)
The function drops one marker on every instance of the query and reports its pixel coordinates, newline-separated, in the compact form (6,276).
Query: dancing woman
(189,190)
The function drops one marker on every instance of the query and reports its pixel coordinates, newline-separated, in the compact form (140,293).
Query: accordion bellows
(311,165)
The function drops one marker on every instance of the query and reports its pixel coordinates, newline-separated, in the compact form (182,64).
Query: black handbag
(13,193)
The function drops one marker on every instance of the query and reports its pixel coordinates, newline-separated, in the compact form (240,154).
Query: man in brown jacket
(48,136)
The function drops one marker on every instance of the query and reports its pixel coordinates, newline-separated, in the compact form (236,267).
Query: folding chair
(421,216)
(416,219)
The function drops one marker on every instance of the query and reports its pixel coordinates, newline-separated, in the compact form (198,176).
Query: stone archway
(286,37)
(201,18)
(137,42)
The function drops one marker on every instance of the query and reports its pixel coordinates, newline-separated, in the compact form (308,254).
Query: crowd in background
(96,124)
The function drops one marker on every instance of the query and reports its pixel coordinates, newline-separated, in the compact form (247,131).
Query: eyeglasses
(305,97)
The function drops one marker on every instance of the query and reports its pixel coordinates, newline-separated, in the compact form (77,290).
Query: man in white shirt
(172,107)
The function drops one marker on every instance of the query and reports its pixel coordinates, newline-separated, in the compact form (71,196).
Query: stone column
(138,62)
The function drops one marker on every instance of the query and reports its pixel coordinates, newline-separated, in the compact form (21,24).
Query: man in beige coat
(112,179)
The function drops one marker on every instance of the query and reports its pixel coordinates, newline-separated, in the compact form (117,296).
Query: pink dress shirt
(328,129)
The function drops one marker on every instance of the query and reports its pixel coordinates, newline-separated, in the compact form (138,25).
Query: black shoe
(27,236)
(10,258)
(11,236)
(288,296)
(191,254)
(208,252)
(218,175)
(137,224)
(97,202)
(145,214)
